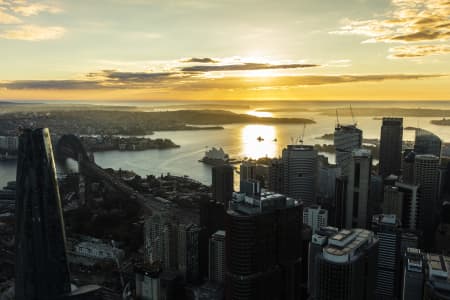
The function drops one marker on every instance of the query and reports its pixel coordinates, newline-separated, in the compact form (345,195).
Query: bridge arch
(70,146)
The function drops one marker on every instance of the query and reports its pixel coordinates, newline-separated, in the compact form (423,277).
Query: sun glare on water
(259,141)
(261,114)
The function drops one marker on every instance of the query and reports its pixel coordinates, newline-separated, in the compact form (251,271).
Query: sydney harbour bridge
(70,146)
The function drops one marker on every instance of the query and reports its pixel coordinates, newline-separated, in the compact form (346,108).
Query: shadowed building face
(42,270)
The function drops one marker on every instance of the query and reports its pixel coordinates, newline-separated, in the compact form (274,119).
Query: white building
(315,217)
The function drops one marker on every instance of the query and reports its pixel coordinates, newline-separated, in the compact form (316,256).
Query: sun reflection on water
(259,141)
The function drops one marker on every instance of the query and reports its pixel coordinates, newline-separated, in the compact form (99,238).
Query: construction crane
(303,134)
(353,116)
(337,118)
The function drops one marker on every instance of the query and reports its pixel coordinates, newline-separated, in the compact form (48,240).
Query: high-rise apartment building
(346,139)
(300,163)
(188,252)
(391,141)
(356,205)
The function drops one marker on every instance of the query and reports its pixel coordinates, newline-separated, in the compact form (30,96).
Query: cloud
(8,19)
(33,33)
(408,21)
(35,8)
(415,51)
(113,80)
(51,85)
(246,67)
(199,60)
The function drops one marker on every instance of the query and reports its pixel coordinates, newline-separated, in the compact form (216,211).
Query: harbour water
(238,140)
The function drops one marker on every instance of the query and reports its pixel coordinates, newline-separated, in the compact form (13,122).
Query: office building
(413,275)
(251,187)
(391,141)
(388,277)
(409,157)
(356,205)
(410,208)
(336,213)
(426,174)
(393,201)
(222,184)
(427,143)
(327,182)
(437,274)
(217,257)
(276,176)
(346,267)
(188,252)
(346,139)
(300,163)
(315,217)
(247,172)
(263,247)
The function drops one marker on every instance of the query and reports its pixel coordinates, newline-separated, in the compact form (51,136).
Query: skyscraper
(217,257)
(358,189)
(427,143)
(387,229)
(263,248)
(247,171)
(222,184)
(346,139)
(188,252)
(42,270)
(391,146)
(300,172)
(426,174)
(346,267)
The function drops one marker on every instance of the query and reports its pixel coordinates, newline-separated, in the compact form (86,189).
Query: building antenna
(353,116)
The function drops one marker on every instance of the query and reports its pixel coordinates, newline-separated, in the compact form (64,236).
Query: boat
(260,139)
(275,140)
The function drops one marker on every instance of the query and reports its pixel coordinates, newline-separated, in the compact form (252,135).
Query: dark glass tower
(42,270)
(264,248)
(222,184)
(391,146)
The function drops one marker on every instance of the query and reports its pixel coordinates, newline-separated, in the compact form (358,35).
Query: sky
(225,50)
